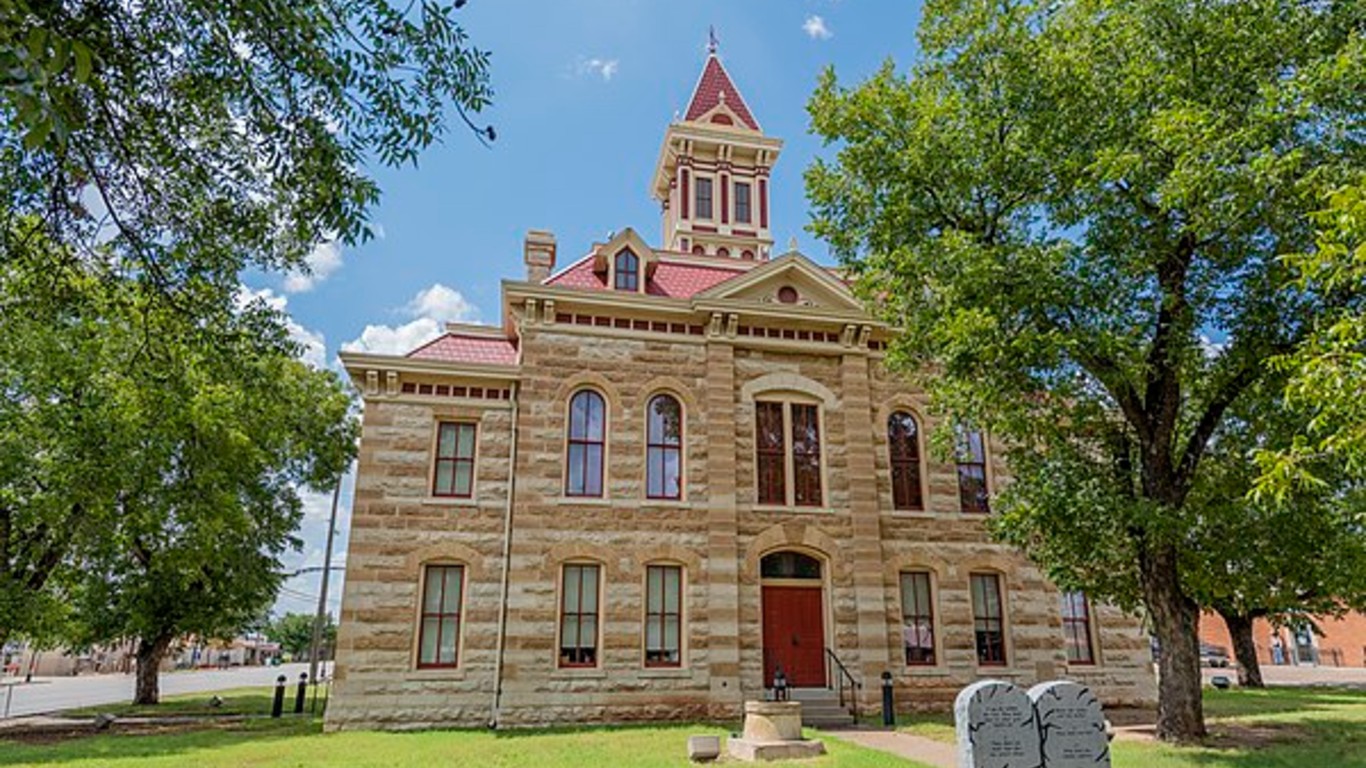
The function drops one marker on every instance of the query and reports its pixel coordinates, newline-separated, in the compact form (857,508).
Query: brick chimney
(539,255)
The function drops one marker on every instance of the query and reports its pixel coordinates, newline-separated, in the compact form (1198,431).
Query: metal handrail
(834,664)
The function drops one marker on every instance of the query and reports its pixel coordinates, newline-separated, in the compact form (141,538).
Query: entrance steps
(821,708)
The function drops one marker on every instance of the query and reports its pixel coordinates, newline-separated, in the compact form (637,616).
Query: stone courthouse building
(673,470)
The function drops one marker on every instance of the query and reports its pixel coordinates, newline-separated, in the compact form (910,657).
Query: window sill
(666,503)
(419,675)
(664,672)
(449,501)
(792,509)
(584,501)
(926,670)
(578,673)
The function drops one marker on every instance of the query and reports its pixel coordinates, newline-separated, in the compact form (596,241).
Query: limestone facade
(720,335)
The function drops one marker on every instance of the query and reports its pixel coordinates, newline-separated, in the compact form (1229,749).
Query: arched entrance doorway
(793,595)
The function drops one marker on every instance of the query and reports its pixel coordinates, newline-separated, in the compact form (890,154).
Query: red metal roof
(713,83)
(679,281)
(456,347)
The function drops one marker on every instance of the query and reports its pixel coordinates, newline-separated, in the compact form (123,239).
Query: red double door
(794,635)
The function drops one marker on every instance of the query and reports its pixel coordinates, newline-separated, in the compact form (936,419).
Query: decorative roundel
(787,294)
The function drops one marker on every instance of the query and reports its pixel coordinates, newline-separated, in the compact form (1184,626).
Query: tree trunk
(1244,649)
(150,653)
(1180,714)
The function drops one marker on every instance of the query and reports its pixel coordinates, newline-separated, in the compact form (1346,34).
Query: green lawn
(1277,728)
(1313,728)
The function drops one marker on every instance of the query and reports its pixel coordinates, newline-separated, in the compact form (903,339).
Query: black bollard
(888,704)
(301,694)
(278,705)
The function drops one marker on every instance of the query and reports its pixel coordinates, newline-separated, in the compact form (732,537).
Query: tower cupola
(712,177)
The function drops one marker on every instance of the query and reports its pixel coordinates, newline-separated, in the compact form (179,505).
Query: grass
(300,743)
(1275,728)
(1271,728)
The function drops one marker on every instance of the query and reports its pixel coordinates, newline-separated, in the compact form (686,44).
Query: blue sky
(583,93)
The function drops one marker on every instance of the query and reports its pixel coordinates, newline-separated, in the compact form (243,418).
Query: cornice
(357,364)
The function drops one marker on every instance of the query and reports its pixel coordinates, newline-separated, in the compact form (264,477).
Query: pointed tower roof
(714,88)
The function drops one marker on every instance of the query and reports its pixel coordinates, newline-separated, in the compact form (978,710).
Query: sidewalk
(915,748)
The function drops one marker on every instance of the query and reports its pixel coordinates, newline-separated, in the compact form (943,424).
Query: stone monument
(773,731)
(997,727)
(1071,725)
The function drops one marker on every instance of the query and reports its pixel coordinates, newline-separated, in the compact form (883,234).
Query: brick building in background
(672,471)
(1342,643)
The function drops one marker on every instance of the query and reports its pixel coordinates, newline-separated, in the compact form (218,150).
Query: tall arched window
(664,448)
(587,425)
(903,444)
(627,270)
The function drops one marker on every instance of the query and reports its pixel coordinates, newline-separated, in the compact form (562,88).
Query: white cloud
(815,28)
(312,343)
(321,263)
(431,309)
(440,302)
(604,68)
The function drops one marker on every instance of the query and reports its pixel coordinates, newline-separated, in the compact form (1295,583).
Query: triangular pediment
(789,279)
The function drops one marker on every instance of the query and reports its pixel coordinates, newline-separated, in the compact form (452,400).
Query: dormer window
(627,272)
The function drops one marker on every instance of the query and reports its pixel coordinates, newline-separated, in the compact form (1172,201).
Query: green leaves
(192,140)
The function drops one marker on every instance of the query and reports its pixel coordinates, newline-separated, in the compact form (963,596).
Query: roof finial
(792,243)
(711,40)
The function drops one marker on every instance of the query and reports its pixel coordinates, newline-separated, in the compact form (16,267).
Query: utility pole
(320,620)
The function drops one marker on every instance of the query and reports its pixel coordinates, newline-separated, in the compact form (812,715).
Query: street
(50,694)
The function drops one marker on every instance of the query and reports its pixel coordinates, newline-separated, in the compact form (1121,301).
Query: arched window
(664,448)
(627,270)
(587,425)
(903,444)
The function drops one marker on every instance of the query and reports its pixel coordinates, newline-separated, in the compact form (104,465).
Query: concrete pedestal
(773,731)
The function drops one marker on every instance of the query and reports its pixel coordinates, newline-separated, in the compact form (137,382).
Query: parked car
(1213,656)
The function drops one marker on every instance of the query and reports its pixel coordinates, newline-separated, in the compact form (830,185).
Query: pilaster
(723,555)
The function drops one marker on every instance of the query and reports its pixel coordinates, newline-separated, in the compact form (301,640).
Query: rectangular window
(703,198)
(454,460)
(439,633)
(988,619)
(972,471)
(1076,628)
(917,618)
(579,616)
(770,453)
(663,615)
(742,215)
(806,455)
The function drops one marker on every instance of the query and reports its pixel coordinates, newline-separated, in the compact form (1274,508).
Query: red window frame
(1076,628)
(917,619)
(584,650)
(436,574)
(742,210)
(626,271)
(972,472)
(450,462)
(585,448)
(660,618)
(704,197)
(903,445)
(770,452)
(806,455)
(660,447)
(988,620)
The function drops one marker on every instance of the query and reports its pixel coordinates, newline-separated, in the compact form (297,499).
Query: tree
(1073,213)
(1271,556)
(1329,368)
(188,440)
(192,138)
(294,633)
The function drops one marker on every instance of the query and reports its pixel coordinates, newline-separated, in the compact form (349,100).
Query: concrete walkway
(916,748)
